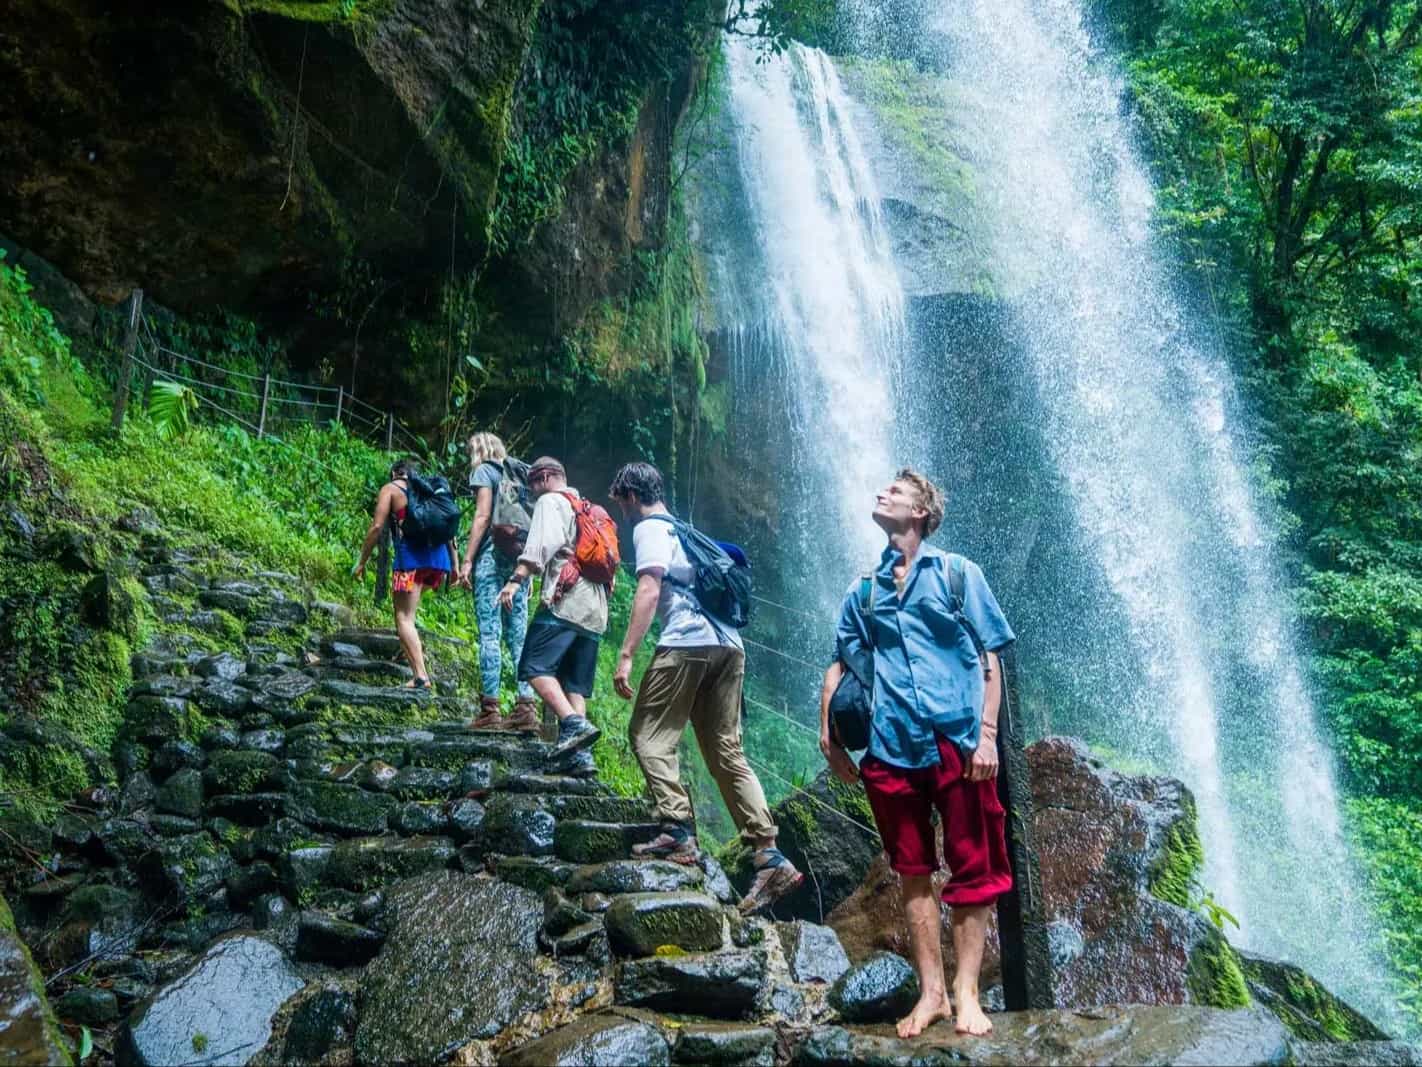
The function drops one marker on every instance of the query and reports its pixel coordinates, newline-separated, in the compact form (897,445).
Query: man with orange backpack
(572,545)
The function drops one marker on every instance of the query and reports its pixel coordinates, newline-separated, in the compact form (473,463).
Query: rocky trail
(305,862)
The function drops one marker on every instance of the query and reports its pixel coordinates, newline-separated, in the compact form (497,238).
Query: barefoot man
(933,740)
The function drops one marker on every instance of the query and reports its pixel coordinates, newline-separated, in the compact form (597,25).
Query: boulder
(181,794)
(1303,1005)
(457,966)
(641,924)
(1349,1053)
(534,872)
(594,1041)
(369,862)
(175,756)
(517,826)
(321,1022)
(28,1030)
(219,1011)
(466,819)
(303,870)
(224,665)
(882,988)
(221,696)
(586,841)
(423,783)
(723,985)
(345,809)
(726,1045)
(812,951)
(88,1005)
(1135,1034)
(635,876)
(324,939)
(184,870)
(247,809)
(241,772)
(419,817)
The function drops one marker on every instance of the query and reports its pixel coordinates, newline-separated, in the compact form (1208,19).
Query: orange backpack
(596,554)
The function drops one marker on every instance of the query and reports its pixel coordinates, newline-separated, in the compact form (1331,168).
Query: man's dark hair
(404,466)
(640,480)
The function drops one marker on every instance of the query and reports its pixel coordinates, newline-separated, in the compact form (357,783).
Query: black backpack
(721,574)
(431,512)
(851,709)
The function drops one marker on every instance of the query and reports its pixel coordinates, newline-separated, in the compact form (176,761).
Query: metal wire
(810,796)
(787,607)
(174,376)
(793,722)
(783,655)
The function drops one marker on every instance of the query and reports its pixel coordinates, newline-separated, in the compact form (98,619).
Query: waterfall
(1188,661)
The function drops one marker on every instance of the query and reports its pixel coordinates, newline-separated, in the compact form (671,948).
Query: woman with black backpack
(424,519)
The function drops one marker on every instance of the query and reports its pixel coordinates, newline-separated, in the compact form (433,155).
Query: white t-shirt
(684,624)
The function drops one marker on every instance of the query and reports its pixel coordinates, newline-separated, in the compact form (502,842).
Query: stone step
(723,985)
(645,924)
(635,876)
(589,841)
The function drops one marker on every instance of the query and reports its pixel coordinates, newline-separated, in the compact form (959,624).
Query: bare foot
(971,1018)
(928,1010)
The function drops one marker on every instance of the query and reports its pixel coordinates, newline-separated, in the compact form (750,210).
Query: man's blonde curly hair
(930,498)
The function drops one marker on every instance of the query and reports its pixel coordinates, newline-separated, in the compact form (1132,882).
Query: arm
(644,609)
(838,759)
(546,535)
(483,512)
(377,525)
(983,765)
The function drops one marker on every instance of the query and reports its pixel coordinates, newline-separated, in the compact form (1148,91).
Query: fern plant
(170,408)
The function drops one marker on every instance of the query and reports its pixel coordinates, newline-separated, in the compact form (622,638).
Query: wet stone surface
(812,951)
(635,876)
(594,1040)
(721,985)
(638,924)
(881,988)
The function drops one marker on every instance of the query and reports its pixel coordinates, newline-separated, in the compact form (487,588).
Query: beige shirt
(552,535)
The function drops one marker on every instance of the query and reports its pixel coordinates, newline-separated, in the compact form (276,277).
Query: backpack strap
(956,591)
(866,605)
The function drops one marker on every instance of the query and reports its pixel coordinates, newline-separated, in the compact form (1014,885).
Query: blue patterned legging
(495,623)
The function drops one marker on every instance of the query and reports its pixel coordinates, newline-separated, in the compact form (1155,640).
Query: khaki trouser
(703,686)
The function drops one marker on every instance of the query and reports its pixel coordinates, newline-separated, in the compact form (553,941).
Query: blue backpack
(721,574)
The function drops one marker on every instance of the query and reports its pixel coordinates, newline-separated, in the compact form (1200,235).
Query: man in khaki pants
(696,676)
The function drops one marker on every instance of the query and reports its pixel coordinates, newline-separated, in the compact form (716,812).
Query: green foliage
(171,407)
(1214,976)
(1390,835)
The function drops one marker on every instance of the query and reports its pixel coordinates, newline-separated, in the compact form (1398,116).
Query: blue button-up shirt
(928,679)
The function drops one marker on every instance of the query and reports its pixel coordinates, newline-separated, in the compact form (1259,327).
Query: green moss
(39,777)
(1214,976)
(1174,876)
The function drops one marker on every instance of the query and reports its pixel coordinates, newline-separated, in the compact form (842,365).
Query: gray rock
(812,951)
(276,840)
(594,1041)
(635,876)
(154,720)
(423,783)
(271,911)
(535,873)
(302,870)
(726,1045)
(219,737)
(457,967)
(420,817)
(175,756)
(184,870)
(321,1022)
(638,924)
(323,939)
(28,1030)
(87,1005)
(476,777)
(717,884)
(241,772)
(881,988)
(181,794)
(722,985)
(247,883)
(1348,1053)
(220,1011)
(588,841)
(517,826)
(222,697)
(138,793)
(224,665)
(124,841)
(466,818)
(344,809)
(372,696)
(370,862)
(267,740)
(288,686)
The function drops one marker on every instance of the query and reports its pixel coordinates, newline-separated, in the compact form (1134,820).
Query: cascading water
(1183,655)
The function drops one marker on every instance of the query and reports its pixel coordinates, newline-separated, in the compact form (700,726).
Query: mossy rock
(1302,1004)
(585,841)
(241,771)
(345,809)
(370,862)
(639,924)
(31,1033)
(1214,976)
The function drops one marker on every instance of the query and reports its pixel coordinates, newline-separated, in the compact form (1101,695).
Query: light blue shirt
(928,678)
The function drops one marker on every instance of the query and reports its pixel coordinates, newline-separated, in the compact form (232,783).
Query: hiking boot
(574,734)
(775,876)
(525,718)
(579,765)
(676,842)
(489,717)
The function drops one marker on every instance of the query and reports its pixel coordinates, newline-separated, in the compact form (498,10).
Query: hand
(507,594)
(462,576)
(982,767)
(838,759)
(359,571)
(622,677)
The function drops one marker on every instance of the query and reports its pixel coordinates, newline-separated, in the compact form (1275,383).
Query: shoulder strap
(866,604)
(956,580)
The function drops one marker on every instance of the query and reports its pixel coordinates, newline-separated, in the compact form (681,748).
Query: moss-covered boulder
(370,862)
(29,1032)
(1302,1004)
(345,809)
(642,924)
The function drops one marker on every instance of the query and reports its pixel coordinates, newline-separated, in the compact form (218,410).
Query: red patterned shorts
(426,577)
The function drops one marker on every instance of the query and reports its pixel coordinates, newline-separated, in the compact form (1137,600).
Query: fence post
(130,342)
(340,401)
(1021,915)
(390,431)
(262,414)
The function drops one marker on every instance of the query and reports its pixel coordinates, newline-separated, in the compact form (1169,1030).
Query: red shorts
(428,577)
(973,825)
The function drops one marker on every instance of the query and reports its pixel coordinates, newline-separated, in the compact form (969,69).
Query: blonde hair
(930,498)
(486,448)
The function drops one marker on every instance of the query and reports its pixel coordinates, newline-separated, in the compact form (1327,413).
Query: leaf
(170,407)
(86,1043)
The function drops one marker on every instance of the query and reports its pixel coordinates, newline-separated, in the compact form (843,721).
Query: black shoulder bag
(851,708)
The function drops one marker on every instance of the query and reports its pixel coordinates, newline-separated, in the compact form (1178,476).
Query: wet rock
(594,1041)
(196,932)
(165,825)
(476,778)
(87,1005)
(28,1031)
(323,939)
(517,826)
(726,1045)
(534,873)
(638,924)
(276,840)
(248,809)
(219,738)
(419,817)
(176,756)
(466,818)
(436,986)
(549,784)
(812,951)
(270,911)
(881,988)
(787,1001)
(219,1011)
(288,686)
(154,720)
(241,772)
(455,751)
(164,685)
(635,876)
(123,841)
(48,886)
(224,665)
(72,831)
(222,697)
(181,794)
(248,883)
(371,696)
(598,808)
(560,914)
(303,869)
(377,775)
(717,883)
(364,642)
(369,862)
(322,1022)
(586,938)
(130,757)
(138,794)
(423,783)
(1303,1005)
(1349,1053)
(721,985)
(341,808)
(1134,1034)
(267,740)
(584,841)
(184,870)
